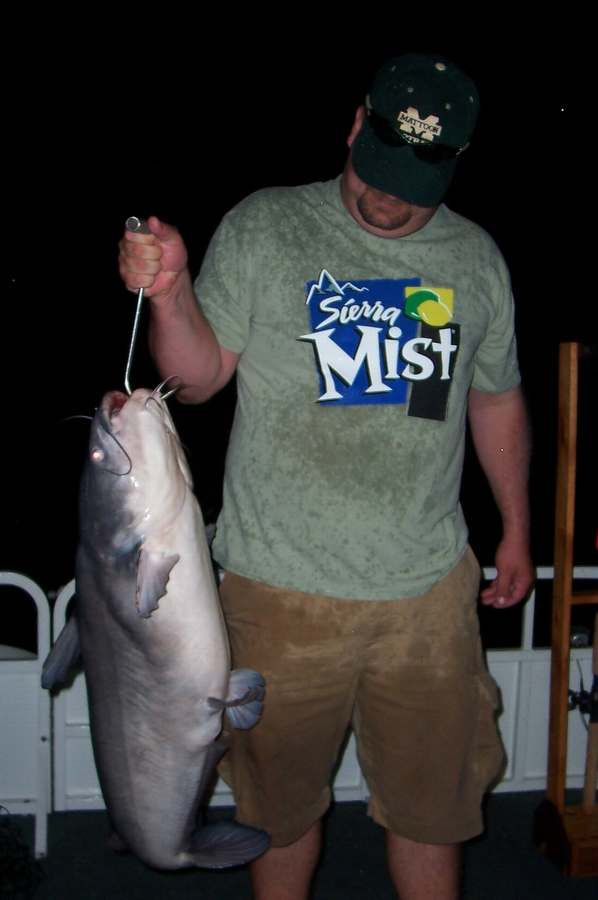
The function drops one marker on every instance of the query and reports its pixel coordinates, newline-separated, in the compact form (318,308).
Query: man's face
(381,214)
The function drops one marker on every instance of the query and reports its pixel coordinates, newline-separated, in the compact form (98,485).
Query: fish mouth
(107,422)
(112,404)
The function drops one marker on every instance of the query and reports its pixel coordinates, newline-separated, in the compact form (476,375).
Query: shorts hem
(423,833)
(282,837)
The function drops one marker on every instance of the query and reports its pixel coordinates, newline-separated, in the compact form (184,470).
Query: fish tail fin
(63,656)
(117,844)
(226,844)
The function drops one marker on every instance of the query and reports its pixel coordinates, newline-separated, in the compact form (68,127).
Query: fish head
(136,470)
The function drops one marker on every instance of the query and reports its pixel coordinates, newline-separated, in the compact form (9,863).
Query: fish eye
(97,455)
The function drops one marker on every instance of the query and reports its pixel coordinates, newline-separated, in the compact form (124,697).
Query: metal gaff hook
(139,226)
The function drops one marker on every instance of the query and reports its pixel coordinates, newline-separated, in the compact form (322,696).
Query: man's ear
(357,125)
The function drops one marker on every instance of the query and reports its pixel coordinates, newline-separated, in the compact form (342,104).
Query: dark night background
(93,139)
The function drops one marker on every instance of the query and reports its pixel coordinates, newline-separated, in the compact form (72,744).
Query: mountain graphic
(327,284)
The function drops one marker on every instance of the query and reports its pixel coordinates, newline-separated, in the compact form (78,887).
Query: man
(363,319)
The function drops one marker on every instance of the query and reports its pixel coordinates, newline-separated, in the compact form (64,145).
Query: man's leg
(426,732)
(285,873)
(280,771)
(423,871)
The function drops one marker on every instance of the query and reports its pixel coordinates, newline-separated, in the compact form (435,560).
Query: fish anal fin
(226,844)
(213,755)
(63,657)
(153,572)
(245,701)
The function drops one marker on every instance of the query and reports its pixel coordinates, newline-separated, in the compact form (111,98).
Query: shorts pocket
(490,756)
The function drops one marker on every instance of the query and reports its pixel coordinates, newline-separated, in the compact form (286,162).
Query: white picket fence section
(25,718)
(523,675)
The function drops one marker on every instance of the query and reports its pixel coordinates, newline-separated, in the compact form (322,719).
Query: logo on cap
(416,129)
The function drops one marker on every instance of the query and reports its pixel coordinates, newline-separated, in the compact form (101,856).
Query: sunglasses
(427,151)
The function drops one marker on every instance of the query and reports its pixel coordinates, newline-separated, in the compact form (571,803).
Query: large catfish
(150,630)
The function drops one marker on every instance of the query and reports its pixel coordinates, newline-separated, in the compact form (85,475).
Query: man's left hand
(515,575)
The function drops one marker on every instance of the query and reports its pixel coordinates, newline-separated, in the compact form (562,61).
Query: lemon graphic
(434,312)
(414,300)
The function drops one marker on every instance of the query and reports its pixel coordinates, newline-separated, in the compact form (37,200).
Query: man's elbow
(204,390)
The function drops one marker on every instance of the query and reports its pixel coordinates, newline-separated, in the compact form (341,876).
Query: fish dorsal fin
(153,572)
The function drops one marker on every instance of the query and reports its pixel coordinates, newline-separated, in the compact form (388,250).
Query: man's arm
(182,341)
(501,437)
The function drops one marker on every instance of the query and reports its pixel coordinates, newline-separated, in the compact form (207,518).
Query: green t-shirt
(357,353)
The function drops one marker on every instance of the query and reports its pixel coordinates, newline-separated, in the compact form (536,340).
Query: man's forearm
(501,435)
(182,343)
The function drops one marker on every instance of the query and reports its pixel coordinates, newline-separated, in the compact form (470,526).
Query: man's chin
(384,212)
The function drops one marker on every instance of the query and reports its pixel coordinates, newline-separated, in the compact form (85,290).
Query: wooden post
(563,572)
(568,835)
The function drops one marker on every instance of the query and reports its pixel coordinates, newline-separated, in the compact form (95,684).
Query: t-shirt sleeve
(496,367)
(222,286)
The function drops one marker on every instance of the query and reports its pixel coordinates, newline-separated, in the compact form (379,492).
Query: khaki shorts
(407,675)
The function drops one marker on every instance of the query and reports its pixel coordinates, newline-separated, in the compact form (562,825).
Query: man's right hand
(154,261)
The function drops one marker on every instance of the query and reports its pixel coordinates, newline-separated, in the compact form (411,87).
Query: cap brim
(398,171)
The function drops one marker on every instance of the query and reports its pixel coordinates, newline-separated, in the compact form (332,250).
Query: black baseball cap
(420,114)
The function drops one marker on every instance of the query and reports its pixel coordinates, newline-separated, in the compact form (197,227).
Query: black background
(184,124)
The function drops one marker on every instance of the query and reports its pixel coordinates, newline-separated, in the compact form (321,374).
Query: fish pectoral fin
(226,844)
(63,657)
(153,572)
(245,701)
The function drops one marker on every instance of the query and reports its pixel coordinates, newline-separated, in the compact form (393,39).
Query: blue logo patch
(370,342)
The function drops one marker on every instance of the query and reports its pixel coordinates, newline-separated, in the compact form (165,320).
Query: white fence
(25,718)
(523,675)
